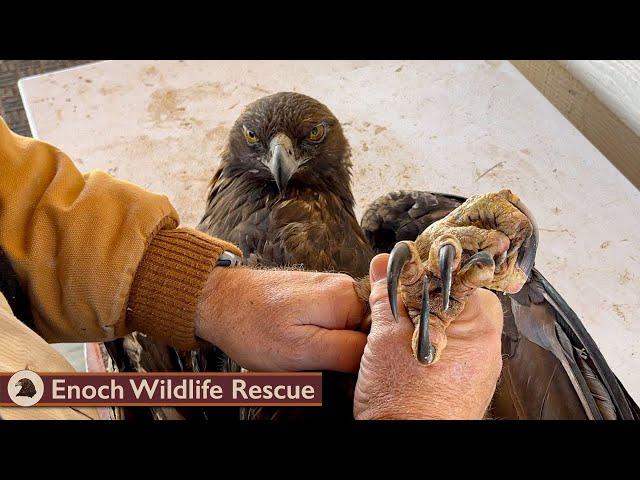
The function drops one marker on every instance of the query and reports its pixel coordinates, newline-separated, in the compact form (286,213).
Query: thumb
(379,298)
(378,269)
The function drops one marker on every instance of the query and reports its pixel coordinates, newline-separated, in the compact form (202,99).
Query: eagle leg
(489,241)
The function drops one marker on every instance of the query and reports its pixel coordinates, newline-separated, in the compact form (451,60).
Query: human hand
(392,384)
(283,320)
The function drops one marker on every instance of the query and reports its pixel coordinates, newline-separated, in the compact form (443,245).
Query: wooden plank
(608,116)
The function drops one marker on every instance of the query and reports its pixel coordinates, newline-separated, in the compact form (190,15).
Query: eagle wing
(403,215)
(552,368)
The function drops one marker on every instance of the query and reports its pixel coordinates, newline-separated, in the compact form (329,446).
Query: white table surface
(459,127)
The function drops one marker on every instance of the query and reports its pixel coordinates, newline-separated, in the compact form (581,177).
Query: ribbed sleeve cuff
(168,284)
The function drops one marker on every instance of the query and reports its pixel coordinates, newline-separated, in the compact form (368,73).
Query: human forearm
(77,243)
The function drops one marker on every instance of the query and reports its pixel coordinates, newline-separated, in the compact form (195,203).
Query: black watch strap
(228,259)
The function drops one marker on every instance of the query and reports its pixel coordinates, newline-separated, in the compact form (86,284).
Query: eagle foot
(489,241)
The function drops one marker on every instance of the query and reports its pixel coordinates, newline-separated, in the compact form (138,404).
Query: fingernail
(378,267)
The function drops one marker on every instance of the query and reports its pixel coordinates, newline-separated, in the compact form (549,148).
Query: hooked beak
(282,160)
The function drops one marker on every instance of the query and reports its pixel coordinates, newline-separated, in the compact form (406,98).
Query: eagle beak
(282,160)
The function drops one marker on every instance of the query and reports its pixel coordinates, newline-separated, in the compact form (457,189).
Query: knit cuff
(168,284)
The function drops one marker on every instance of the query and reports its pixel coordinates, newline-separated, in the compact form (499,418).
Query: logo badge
(25,388)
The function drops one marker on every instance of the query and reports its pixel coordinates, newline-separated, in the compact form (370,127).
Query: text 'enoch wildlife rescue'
(65,389)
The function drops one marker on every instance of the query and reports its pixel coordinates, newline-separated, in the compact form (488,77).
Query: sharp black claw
(425,351)
(398,257)
(446,256)
(480,258)
(527,255)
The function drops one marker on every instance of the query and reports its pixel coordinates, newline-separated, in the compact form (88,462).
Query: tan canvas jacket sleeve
(98,257)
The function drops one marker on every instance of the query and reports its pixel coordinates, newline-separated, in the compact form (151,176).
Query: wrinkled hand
(278,320)
(392,385)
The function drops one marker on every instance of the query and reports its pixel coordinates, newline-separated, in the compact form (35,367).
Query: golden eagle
(282,194)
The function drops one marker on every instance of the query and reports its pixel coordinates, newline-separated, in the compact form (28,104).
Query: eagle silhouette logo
(27,388)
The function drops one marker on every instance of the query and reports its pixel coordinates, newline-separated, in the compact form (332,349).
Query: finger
(379,299)
(337,350)
(350,308)
(378,268)
(492,308)
(340,307)
(486,324)
(482,312)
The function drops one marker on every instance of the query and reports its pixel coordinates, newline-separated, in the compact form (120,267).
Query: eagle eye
(250,136)
(317,133)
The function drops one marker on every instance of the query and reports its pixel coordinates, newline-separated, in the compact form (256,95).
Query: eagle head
(288,139)
(27,388)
